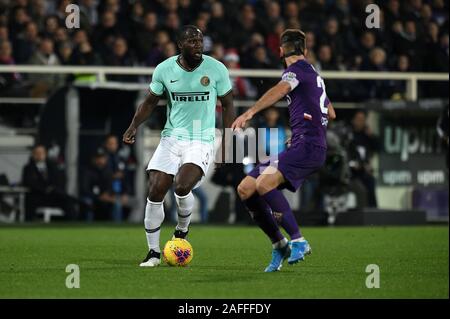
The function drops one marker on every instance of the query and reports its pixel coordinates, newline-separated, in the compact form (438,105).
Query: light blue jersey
(191,96)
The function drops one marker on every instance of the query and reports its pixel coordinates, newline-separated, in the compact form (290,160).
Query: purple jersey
(308,104)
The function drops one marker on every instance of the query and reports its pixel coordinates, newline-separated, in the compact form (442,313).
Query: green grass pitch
(228,263)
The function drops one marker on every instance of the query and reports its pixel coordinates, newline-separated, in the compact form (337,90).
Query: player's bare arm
(142,113)
(331,112)
(268,99)
(228,116)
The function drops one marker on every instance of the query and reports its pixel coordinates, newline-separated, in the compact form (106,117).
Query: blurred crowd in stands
(413,36)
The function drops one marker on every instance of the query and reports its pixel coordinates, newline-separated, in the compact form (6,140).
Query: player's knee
(155,194)
(245,190)
(262,187)
(182,189)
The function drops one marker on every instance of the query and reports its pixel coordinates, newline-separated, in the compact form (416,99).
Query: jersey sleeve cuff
(153,93)
(225,93)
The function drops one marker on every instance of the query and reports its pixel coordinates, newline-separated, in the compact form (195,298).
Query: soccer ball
(178,252)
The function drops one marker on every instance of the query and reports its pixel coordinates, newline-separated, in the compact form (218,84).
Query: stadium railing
(101,72)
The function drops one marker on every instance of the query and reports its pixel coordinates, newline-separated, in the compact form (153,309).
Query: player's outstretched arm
(268,99)
(331,112)
(142,113)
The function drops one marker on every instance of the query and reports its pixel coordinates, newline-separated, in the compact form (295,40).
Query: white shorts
(172,153)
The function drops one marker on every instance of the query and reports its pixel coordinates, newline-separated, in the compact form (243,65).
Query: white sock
(154,216)
(298,240)
(185,205)
(280,244)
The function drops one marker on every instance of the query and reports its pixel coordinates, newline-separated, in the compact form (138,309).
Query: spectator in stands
(117,159)
(218,51)
(88,10)
(85,55)
(202,23)
(242,87)
(325,58)
(46,185)
(45,83)
(314,14)
(26,43)
(120,56)
(273,37)
(219,28)
(144,38)
(310,39)
(272,17)
(187,10)
(105,33)
(99,192)
(4,33)
(437,50)
(363,145)
(291,10)
(10,83)
(51,25)
(172,25)
(247,25)
(333,37)
(275,143)
(80,36)
(169,50)
(377,63)
(392,13)
(399,87)
(19,18)
(65,53)
(156,54)
(38,11)
(136,16)
(367,43)
(440,13)
(409,43)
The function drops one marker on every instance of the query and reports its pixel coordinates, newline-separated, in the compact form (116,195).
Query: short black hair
(293,41)
(187,31)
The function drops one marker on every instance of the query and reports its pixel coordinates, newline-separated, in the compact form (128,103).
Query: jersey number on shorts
(321,84)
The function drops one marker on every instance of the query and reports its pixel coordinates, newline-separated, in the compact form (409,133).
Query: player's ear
(306,52)
(281,52)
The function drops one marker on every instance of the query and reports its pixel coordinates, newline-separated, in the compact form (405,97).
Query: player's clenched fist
(130,135)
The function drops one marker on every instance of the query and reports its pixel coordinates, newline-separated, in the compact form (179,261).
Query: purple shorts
(295,164)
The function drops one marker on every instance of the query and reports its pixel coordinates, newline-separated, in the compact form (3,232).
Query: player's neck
(189,64)
(294,58)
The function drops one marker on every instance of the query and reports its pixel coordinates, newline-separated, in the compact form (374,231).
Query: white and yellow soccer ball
(178,252)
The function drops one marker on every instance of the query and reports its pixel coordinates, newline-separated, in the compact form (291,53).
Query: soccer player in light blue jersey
(191,82)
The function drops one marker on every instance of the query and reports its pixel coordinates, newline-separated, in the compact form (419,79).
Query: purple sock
(262,215)
(282,212)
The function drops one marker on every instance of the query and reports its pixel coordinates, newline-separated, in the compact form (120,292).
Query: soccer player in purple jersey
(309,112)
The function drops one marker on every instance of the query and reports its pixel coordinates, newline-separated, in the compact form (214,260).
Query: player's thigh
(247,187)
(166,157)
(187,177)
(158,185)
(270,179)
